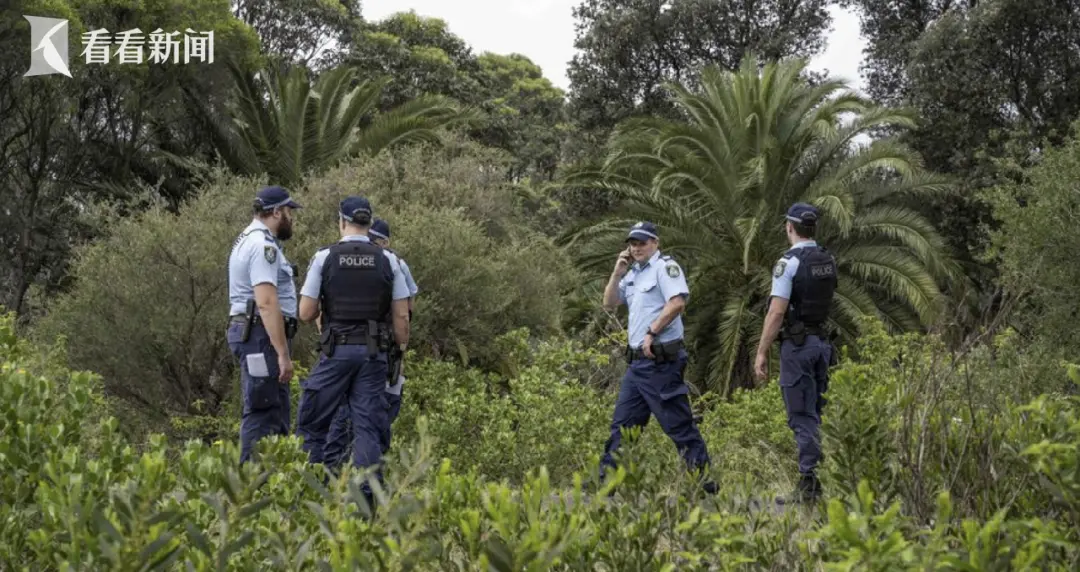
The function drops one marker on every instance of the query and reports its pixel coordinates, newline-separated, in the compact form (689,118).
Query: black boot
(808,491)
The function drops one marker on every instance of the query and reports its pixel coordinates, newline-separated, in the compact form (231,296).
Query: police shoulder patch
(673,270)
(270,254)
(778,270)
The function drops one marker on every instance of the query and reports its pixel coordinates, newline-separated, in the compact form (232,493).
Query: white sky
(543,30)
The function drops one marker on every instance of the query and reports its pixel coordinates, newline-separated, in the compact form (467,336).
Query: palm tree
(717,185)
(287,128)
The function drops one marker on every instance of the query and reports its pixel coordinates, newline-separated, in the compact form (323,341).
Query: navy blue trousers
(341,429)
(354,377)
(265,399)
(804,378)
(657,389)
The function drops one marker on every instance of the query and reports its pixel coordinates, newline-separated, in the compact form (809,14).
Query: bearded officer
(262,309)
(655,290)
(804,281)
(340,430)
(354,287)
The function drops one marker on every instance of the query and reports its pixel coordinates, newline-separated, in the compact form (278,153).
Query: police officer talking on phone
(262,323)
(803,283)
(358,292)
(340,434)
(654,288)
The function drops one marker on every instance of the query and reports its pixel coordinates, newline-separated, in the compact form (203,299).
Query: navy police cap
(353,206)
(803,213)
(643,231)
(380,229)
(270,198)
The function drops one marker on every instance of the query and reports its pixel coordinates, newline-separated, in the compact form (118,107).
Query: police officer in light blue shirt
(655,290)
(804,281)
(359,294)
(262,310)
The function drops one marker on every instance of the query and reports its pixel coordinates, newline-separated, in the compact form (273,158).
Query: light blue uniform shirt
(784,271)
(408,277)
(257,258)
(313,281)
(646,289)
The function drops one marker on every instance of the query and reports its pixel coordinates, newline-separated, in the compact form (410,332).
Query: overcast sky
(543,30)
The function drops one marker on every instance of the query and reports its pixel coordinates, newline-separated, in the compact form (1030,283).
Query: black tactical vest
(813,286)
(357,286)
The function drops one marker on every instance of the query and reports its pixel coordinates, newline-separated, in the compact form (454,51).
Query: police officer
(262,311)
(804,280)
(340,429)
(380,233)
(654,288)
(355,288)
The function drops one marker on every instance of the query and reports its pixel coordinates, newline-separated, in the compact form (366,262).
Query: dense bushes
(76,494)
(1036,243)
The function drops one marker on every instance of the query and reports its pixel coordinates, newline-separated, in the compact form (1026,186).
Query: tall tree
(718,183)
(991,80)
(630,48)
(420,55)
(892,29)
(309,33)
(67,142)
(525,114)
(523,111)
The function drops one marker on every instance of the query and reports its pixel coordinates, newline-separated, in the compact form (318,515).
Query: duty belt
(819,331)
(376,336)
(661,352)
(291,324)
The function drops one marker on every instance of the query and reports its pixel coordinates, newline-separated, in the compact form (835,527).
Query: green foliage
(913,419)
(521,111)
(68,142)
(718,184)
(628,50)
(103,504)
(1037,212)
(299,31)
(288,128)
(984,111)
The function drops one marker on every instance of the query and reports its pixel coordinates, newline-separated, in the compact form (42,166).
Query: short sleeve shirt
(783,275)
(645,289)
(257,258)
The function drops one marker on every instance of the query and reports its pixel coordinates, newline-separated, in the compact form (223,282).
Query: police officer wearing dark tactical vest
(804,280)
(360,297)
(340,434)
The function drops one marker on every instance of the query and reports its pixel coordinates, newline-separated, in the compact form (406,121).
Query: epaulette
(672,267)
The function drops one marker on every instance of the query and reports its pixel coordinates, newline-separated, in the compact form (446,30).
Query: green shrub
(1035,245)
(101,504)
(914,419)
